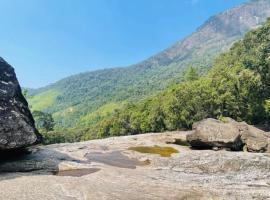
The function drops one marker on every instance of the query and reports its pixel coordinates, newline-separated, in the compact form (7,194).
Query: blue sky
(46,40)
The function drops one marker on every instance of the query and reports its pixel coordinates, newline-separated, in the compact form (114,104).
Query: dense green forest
(85,99)
(237,86)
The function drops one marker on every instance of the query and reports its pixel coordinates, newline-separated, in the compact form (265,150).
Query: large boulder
(256,140)
(17,126)
(228,134)
(211,133)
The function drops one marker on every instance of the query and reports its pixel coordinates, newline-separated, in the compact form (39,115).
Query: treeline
(74,97)
(237,86)
(85,93)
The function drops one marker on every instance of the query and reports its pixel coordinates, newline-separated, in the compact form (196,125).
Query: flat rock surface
(107,169)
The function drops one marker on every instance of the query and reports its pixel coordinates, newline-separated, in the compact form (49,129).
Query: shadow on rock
(116,159)
(36,160)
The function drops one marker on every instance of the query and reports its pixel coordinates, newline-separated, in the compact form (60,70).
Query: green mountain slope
(74,98)
(238,86)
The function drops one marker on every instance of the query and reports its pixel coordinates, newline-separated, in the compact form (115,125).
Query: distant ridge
(93,95)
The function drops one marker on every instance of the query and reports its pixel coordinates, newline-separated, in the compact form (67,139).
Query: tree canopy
(237,86)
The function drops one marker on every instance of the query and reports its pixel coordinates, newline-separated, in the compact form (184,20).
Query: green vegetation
(42,100)
(45,125)
(191,74)
(161,94)
(44,121)
(99,114)
(76,100)
(237,86)
(267,108)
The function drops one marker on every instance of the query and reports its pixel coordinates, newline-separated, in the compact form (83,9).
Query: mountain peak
(218,32)
(96,92)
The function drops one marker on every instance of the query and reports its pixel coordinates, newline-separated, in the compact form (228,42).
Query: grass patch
(43,100)
(99,114)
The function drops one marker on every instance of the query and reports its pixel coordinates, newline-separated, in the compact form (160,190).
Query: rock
(17,126)
(230,134)
(189,174)
(211,133)
(256,140)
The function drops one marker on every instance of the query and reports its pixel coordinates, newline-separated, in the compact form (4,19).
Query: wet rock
(17,127)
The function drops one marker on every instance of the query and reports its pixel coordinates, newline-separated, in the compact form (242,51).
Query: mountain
(217,33)
(237,86)
(89,97)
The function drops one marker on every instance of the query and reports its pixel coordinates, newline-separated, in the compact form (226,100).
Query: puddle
(77,172)
(180,142)
(115,158)
(162,151)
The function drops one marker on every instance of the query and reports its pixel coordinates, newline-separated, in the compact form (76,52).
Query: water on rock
(115,158)
(162,151)
(77,172)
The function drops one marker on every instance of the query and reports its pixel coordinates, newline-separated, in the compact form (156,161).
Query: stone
(17,126)
(228,134)
(256,140)
(210,133)
(188,174)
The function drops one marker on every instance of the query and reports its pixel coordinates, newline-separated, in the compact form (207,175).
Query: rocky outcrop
(100,169)
(213,133)
(17,126)
(228,134)
(255,140)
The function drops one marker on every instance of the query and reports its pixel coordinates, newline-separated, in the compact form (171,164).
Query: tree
(267,108)
(44,121)
(191,74)
(25,92)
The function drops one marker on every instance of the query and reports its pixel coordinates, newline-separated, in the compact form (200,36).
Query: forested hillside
(86,98)
(238,86)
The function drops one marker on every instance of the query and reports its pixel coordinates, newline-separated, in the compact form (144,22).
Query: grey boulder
(228,134)
(17,126)
(256,140)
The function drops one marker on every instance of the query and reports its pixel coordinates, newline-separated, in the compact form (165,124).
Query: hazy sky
(46,40)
